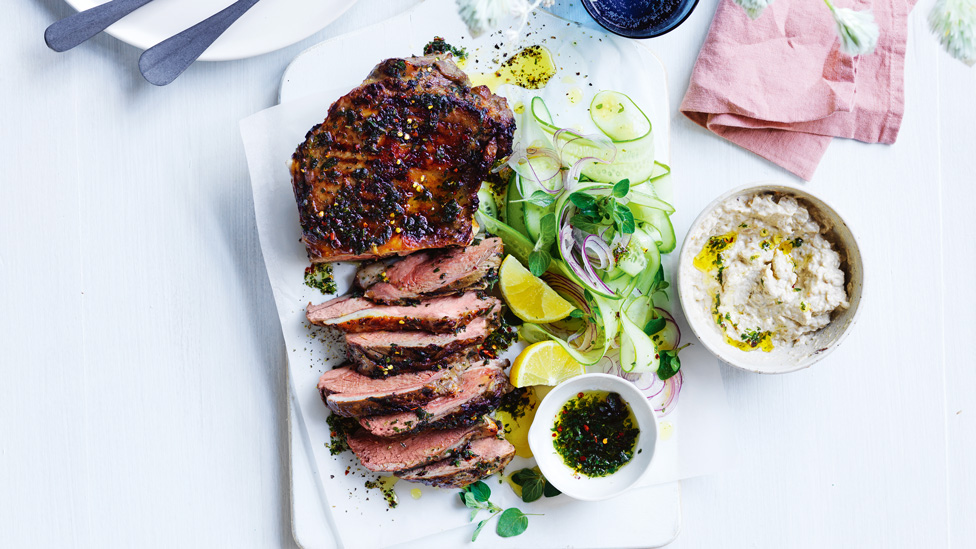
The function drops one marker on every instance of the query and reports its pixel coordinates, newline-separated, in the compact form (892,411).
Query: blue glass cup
(639,18)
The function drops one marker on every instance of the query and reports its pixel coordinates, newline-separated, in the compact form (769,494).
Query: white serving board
(339,64)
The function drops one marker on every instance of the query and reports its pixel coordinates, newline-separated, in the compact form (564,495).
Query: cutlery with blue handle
(162,63)
(75,29)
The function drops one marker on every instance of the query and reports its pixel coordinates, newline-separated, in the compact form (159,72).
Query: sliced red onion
(566,241)
(568,288)
(521,162)
(598,141)
(571,177)
(668,318)
(620,240)
(656,385)
(600,250)
(673,388)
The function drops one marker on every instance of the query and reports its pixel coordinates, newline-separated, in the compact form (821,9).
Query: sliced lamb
(483,458)
(379,354)
(482,388)
(439,315)
(391,455)
(351,394)
(432,272)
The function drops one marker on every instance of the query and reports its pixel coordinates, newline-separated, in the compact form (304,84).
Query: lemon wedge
(544,363)
(528,296)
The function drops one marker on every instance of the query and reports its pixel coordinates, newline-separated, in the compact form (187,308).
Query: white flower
(857,30)
(754,8)
(487,15)
(954,24)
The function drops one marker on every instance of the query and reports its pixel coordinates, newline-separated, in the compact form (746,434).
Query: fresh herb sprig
(670,363)
(540,258)
(534,485)
(511,521)
(594,212)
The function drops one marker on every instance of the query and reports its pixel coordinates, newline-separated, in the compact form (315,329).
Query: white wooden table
(141,390)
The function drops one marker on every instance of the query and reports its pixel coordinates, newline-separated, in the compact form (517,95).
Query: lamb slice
(482,388)
(374,272)
(433,272)
(439,315)
(389,353)
(483,458)
(391,455)
(383,367)
(349,393)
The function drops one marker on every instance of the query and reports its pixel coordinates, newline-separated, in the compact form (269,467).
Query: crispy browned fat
(397,164)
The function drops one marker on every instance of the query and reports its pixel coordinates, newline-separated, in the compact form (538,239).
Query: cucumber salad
(582,211)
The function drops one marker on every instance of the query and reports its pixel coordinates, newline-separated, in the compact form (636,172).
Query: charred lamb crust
(392,455)
(483,458)
(397,163)
(384,366)
(448,314)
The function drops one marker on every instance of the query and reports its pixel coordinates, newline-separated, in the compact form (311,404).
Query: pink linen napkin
(780,87)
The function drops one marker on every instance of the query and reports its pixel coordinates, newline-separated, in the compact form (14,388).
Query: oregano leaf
(621,189)
(547,228)
(669,366)
(655,325)
(478,529)
(539,261)
(540,198)
(533,489)
(512,522)
(521,476)
(582,200)
(480,490)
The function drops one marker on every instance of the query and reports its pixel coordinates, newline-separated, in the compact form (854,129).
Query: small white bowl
(781,359)
(551,463)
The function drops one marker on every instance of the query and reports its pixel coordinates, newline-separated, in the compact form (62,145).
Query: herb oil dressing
(531,68)
(595,433)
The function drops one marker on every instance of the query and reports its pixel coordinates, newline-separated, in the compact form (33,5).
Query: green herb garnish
(595,434)
(511,522)
(754,337)
(319,276)
(534,485)
(439,45)
(339,427)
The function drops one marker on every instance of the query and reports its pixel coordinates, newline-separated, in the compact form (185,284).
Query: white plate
(266,27)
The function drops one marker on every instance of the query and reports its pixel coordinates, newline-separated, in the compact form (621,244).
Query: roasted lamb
(397,163)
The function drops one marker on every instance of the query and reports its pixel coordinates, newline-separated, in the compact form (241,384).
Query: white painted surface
(141,402)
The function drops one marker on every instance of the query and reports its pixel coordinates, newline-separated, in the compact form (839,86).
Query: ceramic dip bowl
(782,358)
(568,481)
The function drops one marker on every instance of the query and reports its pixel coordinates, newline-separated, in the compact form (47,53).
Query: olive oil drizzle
(531,68)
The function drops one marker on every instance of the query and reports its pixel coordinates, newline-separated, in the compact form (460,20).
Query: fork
(164,62)
(73,30)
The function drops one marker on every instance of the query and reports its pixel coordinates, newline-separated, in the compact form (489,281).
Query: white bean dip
(766,273)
